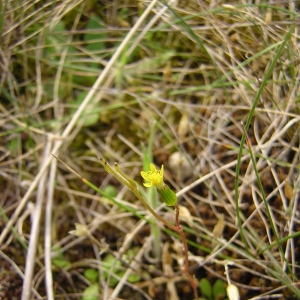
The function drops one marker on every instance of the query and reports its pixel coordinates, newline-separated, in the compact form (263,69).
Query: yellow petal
(162,171)
(147,184)
(152,168)
(144,175)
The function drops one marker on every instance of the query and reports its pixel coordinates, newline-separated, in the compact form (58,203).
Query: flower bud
(167,195)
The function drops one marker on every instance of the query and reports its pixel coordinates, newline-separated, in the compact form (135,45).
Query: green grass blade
(248,122)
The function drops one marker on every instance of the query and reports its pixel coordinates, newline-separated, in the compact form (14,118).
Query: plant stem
(186,254)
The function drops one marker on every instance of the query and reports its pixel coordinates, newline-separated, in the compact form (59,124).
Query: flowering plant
(155,178)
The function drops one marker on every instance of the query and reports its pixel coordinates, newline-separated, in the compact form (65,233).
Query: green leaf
(90,37)
(110,190)
(60,262)
(147,159)
(219,288)
(91,292)
(108,262)
(91,274)
(14,146)
(205,288)
(133,278)
(54,43)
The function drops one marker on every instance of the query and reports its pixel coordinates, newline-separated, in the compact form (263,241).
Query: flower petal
(152,168)
(162,171)
(145,175)
(154,176)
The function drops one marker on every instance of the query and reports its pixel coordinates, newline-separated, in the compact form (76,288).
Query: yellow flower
(154,176)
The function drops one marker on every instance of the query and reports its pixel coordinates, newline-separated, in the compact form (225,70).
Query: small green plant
(91,292)
(217,291)
(110,266)
(114,266)
(110,190)
(91,274)
(59,261)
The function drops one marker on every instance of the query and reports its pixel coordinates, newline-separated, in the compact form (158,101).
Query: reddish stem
(186,254)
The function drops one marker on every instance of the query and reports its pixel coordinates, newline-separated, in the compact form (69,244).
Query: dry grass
(82,79)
